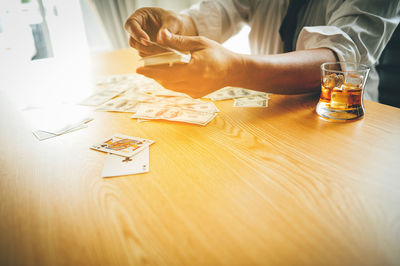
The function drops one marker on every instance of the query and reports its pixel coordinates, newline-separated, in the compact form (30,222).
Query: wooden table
(255,186)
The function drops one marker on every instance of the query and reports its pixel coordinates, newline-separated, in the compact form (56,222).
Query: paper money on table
(232,93)
(185,103)
(141,85)
(252,101)
(111,86)
(120,104)
(170,113)
(103,94)
(131,85)
(142,94)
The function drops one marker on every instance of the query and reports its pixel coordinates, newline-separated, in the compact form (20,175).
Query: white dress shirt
(356,30)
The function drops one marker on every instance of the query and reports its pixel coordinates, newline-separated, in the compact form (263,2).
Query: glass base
(325,111)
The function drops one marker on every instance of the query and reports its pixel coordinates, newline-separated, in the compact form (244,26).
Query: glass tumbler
(342,89)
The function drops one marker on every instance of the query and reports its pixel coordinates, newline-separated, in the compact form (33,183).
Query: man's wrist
(240,72)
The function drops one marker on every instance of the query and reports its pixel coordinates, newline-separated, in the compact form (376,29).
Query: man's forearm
(289,73)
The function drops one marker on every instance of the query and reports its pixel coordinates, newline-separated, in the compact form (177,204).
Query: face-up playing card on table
(123,145)
(118,166)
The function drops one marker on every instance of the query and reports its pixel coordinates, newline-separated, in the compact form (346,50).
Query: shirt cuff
(207,19)
(329,37)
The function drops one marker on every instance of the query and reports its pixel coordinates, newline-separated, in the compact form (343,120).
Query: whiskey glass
(342,89)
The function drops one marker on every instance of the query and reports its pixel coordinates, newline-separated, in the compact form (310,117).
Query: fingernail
(168,33)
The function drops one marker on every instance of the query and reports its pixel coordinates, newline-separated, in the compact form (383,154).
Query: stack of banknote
(148,100)
(241,97)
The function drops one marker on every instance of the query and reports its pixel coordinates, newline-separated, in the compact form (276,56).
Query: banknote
(251,101)
(142,96)
(120,104)
(104,94)
(232,93)
(153,111)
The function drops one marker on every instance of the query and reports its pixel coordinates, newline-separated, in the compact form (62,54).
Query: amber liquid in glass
(341,103)
(342,91)
(345,98)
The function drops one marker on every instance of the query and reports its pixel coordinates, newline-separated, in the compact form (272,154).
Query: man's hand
(213,67)
(210,68)
(148,23)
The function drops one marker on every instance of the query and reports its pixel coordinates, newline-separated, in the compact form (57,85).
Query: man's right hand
(148,23)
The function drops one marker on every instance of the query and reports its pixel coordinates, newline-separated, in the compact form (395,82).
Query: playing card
(62,126)
(51,121)
(169,58)
(42,135)
(118,166)
(123,145)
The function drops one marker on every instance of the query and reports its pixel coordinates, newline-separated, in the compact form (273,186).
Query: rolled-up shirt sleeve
(219,20)
(356,31)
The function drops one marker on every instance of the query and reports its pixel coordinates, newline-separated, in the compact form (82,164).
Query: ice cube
(354,79)
(333,80)
(339,100)
(339,80)
(329,81)
(349,86)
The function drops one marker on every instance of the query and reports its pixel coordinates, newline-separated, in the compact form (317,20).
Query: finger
(182,43)
(171,24)
(142,54)
(145,50)
(135,30)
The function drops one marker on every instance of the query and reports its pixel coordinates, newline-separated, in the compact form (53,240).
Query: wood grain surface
(254,187)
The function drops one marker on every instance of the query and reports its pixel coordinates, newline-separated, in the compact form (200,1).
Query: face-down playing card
(123,145)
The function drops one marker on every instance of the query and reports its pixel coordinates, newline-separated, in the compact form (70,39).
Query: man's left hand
(211,66)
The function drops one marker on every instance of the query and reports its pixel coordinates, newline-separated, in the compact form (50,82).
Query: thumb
(180,42)
(170,25)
